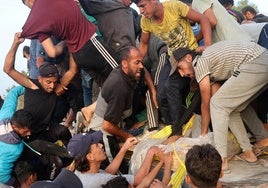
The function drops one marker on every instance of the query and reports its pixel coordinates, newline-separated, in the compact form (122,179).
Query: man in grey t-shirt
(243,68)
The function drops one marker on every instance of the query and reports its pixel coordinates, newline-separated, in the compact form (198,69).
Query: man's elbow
(7,70)
(213,24)
(75,71)
(52,54)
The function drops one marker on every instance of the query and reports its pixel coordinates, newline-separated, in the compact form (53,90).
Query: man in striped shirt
(243,68)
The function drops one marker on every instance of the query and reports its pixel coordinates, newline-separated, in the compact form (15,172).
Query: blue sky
(13,15)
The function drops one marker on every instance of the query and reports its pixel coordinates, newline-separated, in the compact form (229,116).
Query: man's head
(181,62)
(21,122)
(227,3)
(65,179)
(48,77)
(118,182)
(25,173)
(131,61)
(26,52)
(148,8)
(249,12)
(203,165)
(86,148)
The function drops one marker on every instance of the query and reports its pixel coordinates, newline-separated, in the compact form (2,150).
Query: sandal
(241,158)
(226,171)
(259,150)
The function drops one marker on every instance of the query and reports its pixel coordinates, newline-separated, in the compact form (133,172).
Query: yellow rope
(179,175)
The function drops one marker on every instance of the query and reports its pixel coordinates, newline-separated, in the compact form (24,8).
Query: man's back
(115,22)
(222,58)
(64,21)
(226,27)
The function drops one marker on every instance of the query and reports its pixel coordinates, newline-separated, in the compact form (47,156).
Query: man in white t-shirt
(89,153)
(224,26)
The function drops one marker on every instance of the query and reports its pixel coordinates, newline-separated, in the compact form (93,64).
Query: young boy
(203,166)
(25,173)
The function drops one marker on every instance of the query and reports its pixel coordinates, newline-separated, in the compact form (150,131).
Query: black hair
(125,53)
(135,1)
(23,170)
(22,118)
(59,132)
(203,165)
(225,3)
(187,1)
(248,9)
(26,49)
(118,182)
(81,163)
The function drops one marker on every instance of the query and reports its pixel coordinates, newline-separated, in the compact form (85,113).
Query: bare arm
(51,49)
(116,162)
(211,17)
(167,168)
(147,180)
(146,166)
(67,77)
(204,23)
(115,130)
(212,20)
(9,65)
(144,43)
(205,91)
(151,87)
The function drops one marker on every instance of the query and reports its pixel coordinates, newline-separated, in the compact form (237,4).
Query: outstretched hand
(130,142)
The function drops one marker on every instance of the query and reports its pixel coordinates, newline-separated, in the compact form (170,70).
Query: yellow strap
(180,173)
(164,132)
(177,156)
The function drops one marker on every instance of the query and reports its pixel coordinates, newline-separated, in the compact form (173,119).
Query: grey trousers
(254,124)
(232,98)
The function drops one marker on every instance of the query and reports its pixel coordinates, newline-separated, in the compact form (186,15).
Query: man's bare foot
(263,142)
(88,111)
(224,166)
(248,156)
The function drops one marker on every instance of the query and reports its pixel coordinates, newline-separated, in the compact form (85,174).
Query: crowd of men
(150,62)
